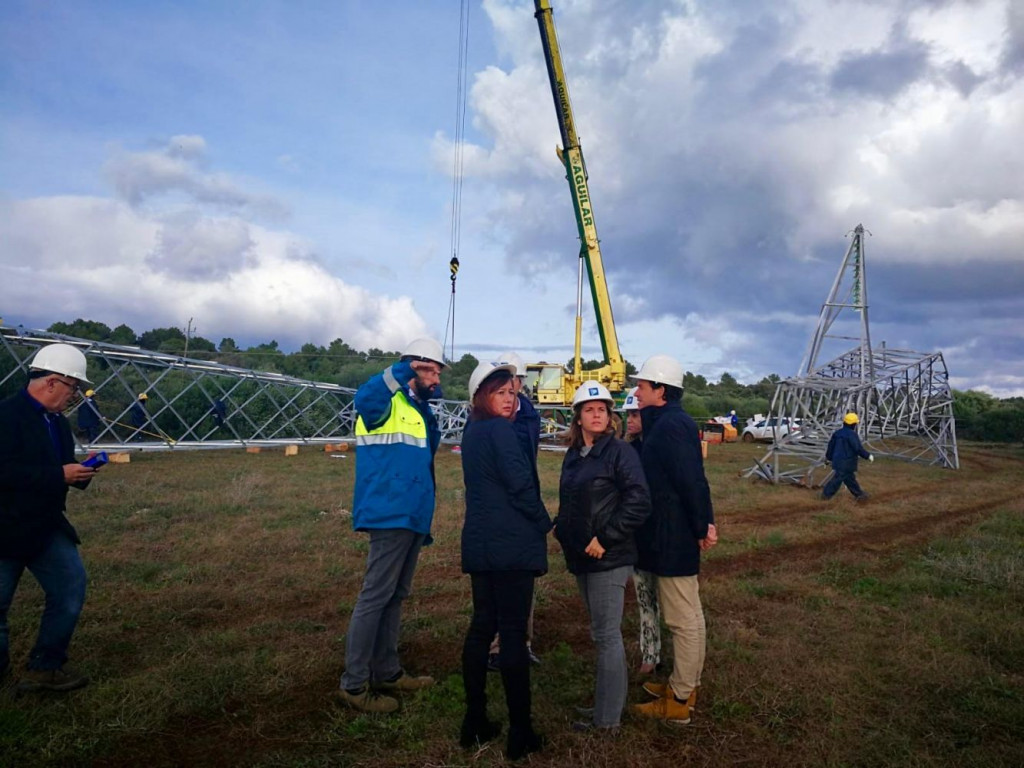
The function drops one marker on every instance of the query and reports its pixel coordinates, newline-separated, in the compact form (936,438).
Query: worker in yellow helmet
(89,416)
(843,449)
(139,415)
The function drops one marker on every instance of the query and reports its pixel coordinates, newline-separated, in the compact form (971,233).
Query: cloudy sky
(284,171)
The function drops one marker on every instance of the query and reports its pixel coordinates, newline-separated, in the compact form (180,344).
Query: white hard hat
(485,369)
(511,358)
(425,349)
(63,359)
(732,412)
(592,390)
(661,369)
(630,403)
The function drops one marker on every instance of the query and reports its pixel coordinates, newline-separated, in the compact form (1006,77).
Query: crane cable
(457,168)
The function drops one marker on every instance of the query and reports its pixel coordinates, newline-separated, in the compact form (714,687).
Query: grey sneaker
(63,679)
(404,683)
(365,700)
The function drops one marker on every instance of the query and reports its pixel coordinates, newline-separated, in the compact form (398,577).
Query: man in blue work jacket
(843,449)
(396,439)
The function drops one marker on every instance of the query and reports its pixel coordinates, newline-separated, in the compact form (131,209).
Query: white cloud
(727,163)
(175,174)
(104,260)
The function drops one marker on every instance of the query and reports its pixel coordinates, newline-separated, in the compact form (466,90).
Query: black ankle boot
(477,731)
(523,741)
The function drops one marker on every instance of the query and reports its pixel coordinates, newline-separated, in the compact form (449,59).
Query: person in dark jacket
(603,499)
(526,420)
(503,550)
(89,416)
(37,465)
(843,449)
(139,416)
(219,411)
(396,439)
(679,528)
(644,582)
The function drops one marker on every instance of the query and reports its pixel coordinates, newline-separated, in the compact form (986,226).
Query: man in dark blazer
(37,464)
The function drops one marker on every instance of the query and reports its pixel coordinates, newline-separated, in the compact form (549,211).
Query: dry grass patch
(840,635)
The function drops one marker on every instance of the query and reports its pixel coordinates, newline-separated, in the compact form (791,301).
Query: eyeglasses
(73,386)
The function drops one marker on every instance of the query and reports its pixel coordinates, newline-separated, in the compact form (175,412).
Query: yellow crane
(552,384)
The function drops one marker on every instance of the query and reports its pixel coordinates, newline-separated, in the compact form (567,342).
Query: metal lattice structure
(258,407)
(903,397)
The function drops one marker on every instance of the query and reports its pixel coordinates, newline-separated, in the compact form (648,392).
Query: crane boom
(613,375)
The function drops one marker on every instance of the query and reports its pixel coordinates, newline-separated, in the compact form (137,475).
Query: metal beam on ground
(260,408)
(903,398)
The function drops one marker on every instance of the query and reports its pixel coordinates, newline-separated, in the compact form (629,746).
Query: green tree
(695,384)
(155,338)
(124,335)
(728,382)
(83,329)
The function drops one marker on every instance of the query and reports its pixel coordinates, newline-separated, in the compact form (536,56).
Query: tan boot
(666,708)
(405,683)
(661,690)
(366,700)
(657,690)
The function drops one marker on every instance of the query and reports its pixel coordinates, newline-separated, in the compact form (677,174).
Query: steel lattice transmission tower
(256,408)
(903,397)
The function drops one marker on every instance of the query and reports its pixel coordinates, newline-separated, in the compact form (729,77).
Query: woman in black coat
(603,499)
(503,550)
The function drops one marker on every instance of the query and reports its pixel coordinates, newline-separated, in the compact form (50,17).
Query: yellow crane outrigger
(551,383)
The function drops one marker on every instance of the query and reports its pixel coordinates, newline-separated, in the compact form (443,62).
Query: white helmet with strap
(425,349)
(661,369)
(63,359)
(485,369)
(592,390)
(511,358)
(630,403)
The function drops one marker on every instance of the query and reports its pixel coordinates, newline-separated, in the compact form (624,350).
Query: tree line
(979,416)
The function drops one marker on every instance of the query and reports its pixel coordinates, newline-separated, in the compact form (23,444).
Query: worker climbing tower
(903,397)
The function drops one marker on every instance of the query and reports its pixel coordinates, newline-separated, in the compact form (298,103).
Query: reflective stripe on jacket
(394,467)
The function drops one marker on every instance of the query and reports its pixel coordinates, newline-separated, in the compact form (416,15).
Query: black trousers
(501,603)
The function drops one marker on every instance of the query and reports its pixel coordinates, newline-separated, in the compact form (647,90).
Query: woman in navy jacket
(503,550)
(603,499)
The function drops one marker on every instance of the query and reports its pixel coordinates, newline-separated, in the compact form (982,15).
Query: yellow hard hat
(850,418)
(143,396)
(90,392)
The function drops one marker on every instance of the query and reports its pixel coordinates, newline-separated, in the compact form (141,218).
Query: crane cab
(546,383)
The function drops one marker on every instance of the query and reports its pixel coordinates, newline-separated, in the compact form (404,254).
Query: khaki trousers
(684,617)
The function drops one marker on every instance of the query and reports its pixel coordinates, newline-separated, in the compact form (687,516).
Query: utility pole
(188,335)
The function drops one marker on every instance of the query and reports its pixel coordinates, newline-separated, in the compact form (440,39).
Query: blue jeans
(371,647)
(60,573)
(604,593)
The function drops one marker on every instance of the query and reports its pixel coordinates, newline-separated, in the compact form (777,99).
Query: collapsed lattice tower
(903,397)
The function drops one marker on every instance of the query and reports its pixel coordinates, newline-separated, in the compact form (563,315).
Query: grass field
(890,633)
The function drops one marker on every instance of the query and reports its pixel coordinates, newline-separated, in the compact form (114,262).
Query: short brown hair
(482,397)
(576,431)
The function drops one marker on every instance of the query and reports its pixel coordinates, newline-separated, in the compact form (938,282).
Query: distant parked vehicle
(770,429)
